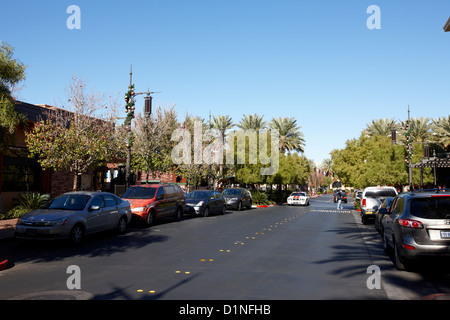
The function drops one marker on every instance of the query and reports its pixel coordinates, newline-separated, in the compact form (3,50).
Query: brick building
(19,173)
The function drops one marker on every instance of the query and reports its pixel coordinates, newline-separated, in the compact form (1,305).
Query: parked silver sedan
(74,215)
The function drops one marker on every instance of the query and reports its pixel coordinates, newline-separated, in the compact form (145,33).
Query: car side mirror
(160,197)
(94,208)
(211,198)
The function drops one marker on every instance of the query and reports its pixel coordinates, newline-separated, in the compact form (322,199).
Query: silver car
(75,214)
(417,225)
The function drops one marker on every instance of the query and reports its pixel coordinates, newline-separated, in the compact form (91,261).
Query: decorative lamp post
(409,151)
(130,100)
(129,109)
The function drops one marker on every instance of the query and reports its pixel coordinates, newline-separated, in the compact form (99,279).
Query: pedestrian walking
(339,201)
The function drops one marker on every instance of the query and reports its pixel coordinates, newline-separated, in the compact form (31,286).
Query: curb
(7,228)
(264,206)
(3,264)
(437,296)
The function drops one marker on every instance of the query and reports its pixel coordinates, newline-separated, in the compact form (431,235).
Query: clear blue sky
(314,60)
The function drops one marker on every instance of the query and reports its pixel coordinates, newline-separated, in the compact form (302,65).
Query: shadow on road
(101,244)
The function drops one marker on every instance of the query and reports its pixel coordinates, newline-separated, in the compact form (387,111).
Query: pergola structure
(442,160)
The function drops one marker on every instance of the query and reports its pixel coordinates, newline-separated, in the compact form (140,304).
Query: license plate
(445,234)
(31,232)
(368,212)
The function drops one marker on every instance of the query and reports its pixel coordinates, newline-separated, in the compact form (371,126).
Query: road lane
(269,253)
(283,252)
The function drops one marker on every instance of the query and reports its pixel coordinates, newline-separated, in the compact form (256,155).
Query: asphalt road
(277,253)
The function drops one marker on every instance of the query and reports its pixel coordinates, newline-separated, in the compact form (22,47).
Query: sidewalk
(7,228)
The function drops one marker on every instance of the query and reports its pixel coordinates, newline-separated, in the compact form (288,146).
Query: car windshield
(69,202)
(232,192)
(198,195)
(380,193)
(302,194)
(435,207)
(140,193)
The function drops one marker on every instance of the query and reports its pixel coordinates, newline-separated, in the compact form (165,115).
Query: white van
(371,199)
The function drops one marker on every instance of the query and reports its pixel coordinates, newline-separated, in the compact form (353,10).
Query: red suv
(155,201)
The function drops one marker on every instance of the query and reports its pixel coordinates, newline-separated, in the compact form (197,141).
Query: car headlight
(138,209)
(200,204)
(59,222)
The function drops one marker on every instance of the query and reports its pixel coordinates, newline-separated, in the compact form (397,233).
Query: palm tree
(291,138)
(421,129)
(252,122)
(441,130)
(222,123)
(327,166)
(380,127)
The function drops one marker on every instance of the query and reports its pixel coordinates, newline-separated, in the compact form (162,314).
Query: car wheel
(206,212)
(239,208)
(76,234)
(224,209)
(386,245)
(122,226)
(150,219)
(398,260)
(178,214)
(250,205)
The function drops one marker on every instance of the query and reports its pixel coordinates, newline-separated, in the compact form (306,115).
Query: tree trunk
(75,182)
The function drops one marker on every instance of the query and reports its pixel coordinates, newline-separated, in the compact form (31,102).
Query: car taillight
(364,202)
(409,247)
(407,223)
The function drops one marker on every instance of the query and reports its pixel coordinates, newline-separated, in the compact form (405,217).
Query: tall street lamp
(409,150)
(130,100)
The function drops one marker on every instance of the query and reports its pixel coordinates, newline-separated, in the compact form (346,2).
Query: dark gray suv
(417,225)
(238,198)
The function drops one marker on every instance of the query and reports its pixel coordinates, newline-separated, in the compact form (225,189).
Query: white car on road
(298,198)
(372,198)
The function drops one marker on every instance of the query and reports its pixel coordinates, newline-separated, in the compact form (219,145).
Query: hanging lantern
(148,105)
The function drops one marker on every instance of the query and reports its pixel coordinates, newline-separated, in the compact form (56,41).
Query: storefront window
(20,174)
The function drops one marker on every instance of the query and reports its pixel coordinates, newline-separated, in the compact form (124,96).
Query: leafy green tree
(370,161)
(193,172)
(77,141)
(152,140)
(12,72)
(293,169)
